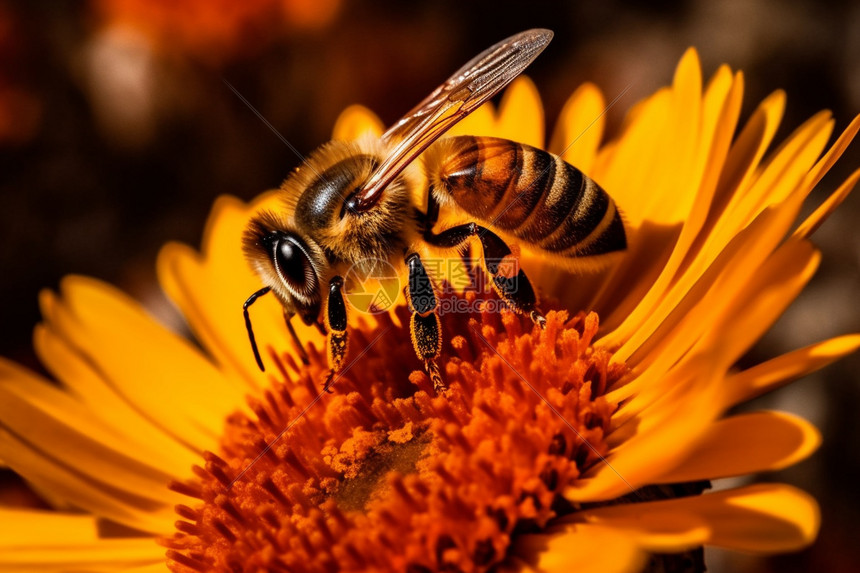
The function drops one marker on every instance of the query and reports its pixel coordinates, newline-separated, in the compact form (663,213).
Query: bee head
(288,262)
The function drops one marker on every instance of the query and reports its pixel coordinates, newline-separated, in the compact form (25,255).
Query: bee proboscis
(352,204)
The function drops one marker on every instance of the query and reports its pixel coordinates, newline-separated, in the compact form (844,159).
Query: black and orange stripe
(530,193)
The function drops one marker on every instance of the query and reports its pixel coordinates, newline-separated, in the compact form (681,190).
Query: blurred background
(117,132)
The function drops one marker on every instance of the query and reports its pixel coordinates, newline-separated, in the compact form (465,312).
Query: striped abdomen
(530,194)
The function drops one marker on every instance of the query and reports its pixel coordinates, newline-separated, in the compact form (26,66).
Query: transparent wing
(470,86)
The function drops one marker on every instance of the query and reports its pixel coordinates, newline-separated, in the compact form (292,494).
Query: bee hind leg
(424,325)
(509,280)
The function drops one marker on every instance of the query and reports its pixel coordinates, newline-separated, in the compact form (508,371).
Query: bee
(352,204)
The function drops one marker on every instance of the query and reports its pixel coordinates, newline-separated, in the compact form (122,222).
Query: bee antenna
(251,300)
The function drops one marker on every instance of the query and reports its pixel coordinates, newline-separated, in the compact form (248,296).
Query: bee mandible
(352,205)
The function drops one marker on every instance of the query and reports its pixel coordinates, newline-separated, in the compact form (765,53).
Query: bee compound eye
(294,265)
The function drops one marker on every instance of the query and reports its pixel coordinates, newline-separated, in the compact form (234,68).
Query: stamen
(385,475)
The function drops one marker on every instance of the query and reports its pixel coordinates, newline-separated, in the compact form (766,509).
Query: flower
(585,446)
(214,32)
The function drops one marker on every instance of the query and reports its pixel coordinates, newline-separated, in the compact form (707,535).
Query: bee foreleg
(337,335)
(424,325)
(509,281)
(251,300)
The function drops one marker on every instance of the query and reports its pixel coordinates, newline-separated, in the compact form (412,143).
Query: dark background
(117,133)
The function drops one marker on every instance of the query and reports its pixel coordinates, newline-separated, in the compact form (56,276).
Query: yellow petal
(631,283)
(738,166)
(141,361)
(722,108)
(158,567)
(659,532)
(772,190)
(139,432)
(644,433)
(581,547)
(576,138)
(31,526)
(774,373)
(54,425)
(775,285)
(45,541)
(481,122)
(745,444)
(200,284)
(625,170)
(89,493)
(678,179)
(655,196)
(646,197)
(781,176)
(748,149)
(811,223)
(764,518)
(832,155)
(520,116)
(33,409)
(356,121)
(643,183)
(626,288)
(735,175)
(51,441)
(689,312)
(579,128)
(38,540)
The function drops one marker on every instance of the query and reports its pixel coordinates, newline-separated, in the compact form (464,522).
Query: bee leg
(251,300)
(424,325)
(303,354)
(337,336)
(509,281)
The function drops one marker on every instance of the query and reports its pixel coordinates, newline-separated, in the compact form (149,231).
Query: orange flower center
(383,475)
